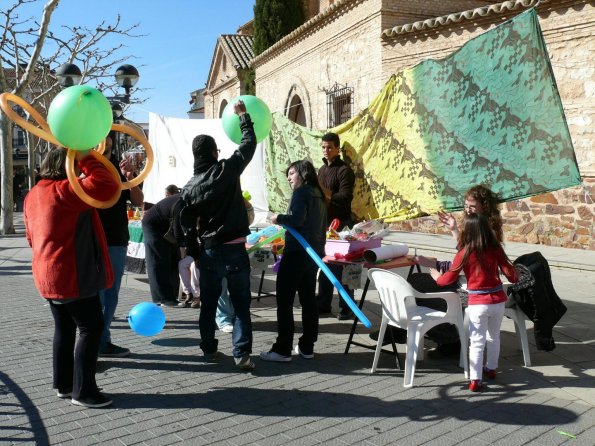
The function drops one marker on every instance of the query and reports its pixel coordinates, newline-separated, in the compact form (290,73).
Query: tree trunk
(30,161)
(6,201)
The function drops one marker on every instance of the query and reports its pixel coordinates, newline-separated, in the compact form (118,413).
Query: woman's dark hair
(489,202)
(53,166)
(477,237)
(307,173)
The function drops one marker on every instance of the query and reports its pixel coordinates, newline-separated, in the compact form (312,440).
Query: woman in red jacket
(70,266)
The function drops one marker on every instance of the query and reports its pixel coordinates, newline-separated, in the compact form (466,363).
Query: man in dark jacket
(337,181)
(214,196)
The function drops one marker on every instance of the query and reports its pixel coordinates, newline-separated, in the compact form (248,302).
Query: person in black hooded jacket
(214,197)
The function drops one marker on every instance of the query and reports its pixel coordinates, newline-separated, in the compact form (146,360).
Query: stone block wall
(342,49)
(562,218)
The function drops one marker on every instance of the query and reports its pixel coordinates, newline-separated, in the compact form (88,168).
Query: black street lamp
(68,75)
(127,77)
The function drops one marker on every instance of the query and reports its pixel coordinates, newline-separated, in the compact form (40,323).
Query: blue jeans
(225,262)
(224,315)
(109,297)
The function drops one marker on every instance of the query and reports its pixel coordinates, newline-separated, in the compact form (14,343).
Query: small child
(479,257)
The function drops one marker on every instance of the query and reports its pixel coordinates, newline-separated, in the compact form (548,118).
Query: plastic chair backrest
(396,295)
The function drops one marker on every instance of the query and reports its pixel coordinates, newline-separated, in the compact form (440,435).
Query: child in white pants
(189,277)
(480,257)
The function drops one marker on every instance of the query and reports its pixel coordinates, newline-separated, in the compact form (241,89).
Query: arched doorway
(296,112)
(222,107)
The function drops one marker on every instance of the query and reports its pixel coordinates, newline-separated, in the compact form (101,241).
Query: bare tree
(28,71)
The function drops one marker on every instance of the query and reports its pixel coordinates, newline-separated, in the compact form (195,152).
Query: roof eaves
(471,14)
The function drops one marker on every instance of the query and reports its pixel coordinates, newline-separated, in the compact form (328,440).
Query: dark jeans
(326,289)
(74,366)
(297,273)
(162,266)
(230,262)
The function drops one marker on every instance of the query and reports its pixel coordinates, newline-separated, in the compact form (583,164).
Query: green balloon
(259,112)
(80,117)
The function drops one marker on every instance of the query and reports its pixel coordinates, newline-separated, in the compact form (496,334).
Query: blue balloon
(146,319)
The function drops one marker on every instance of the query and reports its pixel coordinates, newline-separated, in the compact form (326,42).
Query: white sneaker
(303,355)
(274,357)
(227,328)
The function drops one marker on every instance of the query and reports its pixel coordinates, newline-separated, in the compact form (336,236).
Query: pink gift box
(333,247)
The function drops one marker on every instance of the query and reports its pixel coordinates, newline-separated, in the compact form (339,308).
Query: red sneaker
(490,374)
(475,385)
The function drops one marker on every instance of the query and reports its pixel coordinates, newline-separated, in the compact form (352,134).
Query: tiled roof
(238,48)
(485,11)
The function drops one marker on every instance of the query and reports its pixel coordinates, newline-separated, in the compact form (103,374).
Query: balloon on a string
(80,117)
(146,319)
(259,113)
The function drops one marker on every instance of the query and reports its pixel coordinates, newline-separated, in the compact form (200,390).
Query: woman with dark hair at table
(70,266)
(297,270)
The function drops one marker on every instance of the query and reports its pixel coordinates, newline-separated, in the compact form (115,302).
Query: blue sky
(177,47)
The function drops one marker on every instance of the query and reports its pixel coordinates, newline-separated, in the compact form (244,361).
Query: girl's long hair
(489,202)
(478,237)
(53,166)
(307,173)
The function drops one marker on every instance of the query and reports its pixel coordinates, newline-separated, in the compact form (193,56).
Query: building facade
(330,68)
(230,73)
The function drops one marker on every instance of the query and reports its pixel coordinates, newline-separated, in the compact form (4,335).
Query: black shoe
(99,400)
(445,351)
(113,351)
(324,311)
(344,316)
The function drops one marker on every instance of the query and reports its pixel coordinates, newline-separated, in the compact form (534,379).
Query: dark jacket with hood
(214,195)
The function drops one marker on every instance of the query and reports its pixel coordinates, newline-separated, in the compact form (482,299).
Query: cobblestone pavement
(165,393)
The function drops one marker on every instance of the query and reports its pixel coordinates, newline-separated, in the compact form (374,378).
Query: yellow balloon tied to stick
(43,131)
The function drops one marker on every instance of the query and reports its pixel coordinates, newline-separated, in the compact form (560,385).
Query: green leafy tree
(274,19)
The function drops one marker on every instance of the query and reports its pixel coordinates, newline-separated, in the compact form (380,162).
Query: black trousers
(162,266)
(326,289)
(297,273)
(75,365)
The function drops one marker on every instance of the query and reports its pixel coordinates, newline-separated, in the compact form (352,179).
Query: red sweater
(70,257)
(479,278)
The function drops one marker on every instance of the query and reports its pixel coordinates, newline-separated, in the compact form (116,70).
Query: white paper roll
(386,252)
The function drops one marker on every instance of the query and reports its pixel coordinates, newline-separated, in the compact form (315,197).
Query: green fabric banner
(490,114)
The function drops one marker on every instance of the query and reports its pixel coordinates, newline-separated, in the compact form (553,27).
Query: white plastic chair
(400,310)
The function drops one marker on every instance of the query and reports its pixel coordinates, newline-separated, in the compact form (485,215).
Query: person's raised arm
(450,223)
(245,152)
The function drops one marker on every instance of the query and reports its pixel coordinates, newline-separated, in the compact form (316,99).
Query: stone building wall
(346,48)
(224,84)
(563,218)
(343,49)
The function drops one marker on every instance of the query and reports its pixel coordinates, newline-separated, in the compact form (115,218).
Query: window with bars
(339,103)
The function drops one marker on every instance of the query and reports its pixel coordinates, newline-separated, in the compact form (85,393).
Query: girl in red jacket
(70,266)
(480,256)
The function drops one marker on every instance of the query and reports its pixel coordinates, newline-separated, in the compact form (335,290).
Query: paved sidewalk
(165,393)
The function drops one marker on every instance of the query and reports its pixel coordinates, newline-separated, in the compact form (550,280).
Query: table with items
(351,267)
